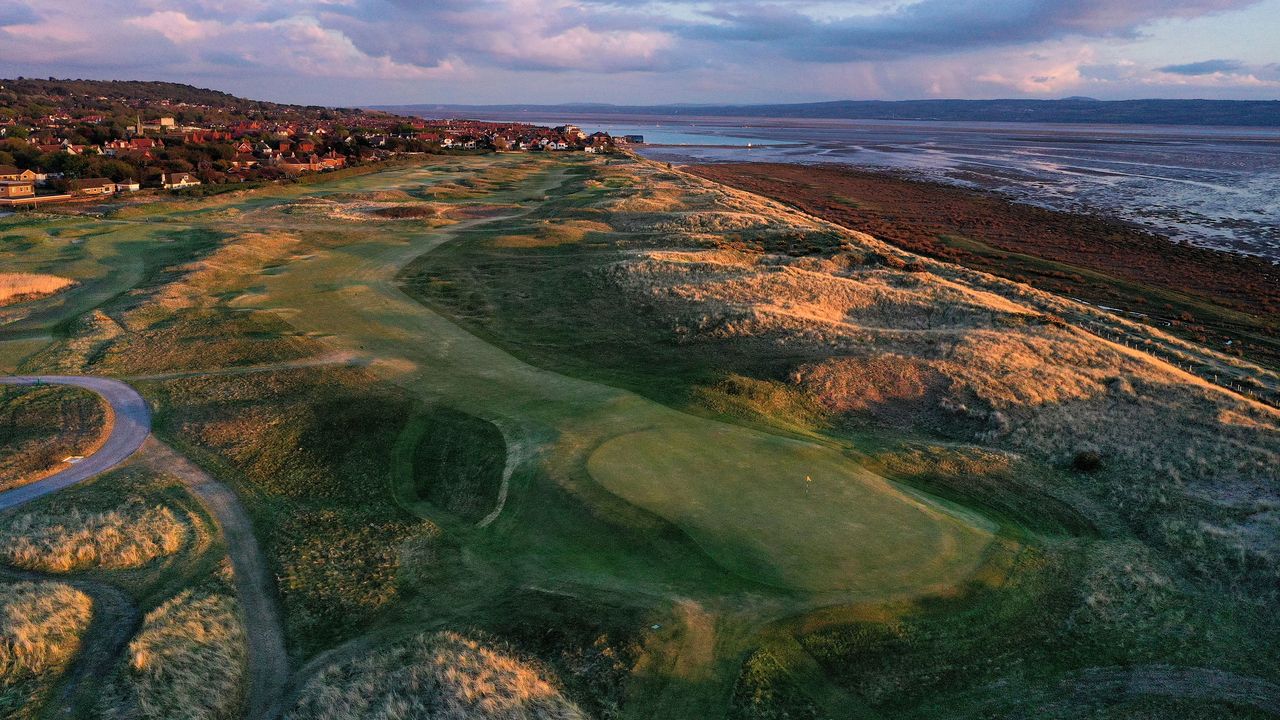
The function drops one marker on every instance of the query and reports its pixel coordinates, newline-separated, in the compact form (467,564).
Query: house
(128,186)
(177,180)
(9,172)
(116,146)
(573,132)
(333,160)
(295,165)
(91,186)
(17,189)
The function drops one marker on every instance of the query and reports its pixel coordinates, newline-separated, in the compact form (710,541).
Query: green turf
(458,464)
(669,528)
(790,514)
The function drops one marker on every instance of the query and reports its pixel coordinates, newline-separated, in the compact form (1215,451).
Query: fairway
(788,513)
(739,493)
(586,488)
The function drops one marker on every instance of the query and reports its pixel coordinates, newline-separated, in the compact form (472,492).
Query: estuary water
(1212,186)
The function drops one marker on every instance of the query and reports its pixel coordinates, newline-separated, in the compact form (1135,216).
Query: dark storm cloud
(12,14)
(1204,67)
(938,26)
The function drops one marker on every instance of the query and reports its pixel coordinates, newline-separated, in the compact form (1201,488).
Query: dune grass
(41,427)
(442,675)
(18,287)
(129,536)
(186,662)
(667,361)
(41,624)
(133,524)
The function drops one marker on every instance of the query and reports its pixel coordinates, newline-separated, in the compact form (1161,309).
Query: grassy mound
(186,663)
(40,629)
(442,676)
(406,212)
(129,536)
(18,287)
(39,427)
(458,464)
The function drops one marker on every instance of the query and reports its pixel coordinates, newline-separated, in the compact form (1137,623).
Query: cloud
(176,27)
(941,26)
(17,15)
(619,50)
(513,34)
(1204,67)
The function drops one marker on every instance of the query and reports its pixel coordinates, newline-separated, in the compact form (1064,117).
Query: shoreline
(1226,300)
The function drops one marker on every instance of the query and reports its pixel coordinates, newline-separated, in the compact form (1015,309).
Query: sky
(365,52)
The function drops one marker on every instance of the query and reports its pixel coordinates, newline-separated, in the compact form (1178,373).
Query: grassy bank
(576,436)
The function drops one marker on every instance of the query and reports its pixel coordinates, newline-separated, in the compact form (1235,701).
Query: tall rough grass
(127,537)
(40,629)
(40,426)
(16,287)
(444,676)
(187,663)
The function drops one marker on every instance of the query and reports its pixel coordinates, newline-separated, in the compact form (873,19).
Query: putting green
(789,513)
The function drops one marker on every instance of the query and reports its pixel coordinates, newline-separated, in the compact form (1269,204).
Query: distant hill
(1257,113)
(97,93)
(125,90)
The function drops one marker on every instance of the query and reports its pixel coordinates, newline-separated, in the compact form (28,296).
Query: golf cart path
(131,426)
(268,662)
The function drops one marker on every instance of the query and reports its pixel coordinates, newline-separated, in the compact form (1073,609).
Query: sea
(1217,187)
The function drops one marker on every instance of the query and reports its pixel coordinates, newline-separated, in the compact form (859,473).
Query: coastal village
(58,145)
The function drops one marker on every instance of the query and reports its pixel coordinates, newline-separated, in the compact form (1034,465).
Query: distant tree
(115,169)
(72,166)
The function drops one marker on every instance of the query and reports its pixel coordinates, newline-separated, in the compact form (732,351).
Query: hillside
(102,95)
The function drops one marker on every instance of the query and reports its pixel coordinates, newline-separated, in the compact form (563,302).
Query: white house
(177,180)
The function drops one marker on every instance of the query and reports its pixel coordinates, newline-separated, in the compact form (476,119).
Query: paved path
(131,426)
(268,662)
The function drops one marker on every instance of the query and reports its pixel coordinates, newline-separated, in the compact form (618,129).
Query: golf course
(525,435)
